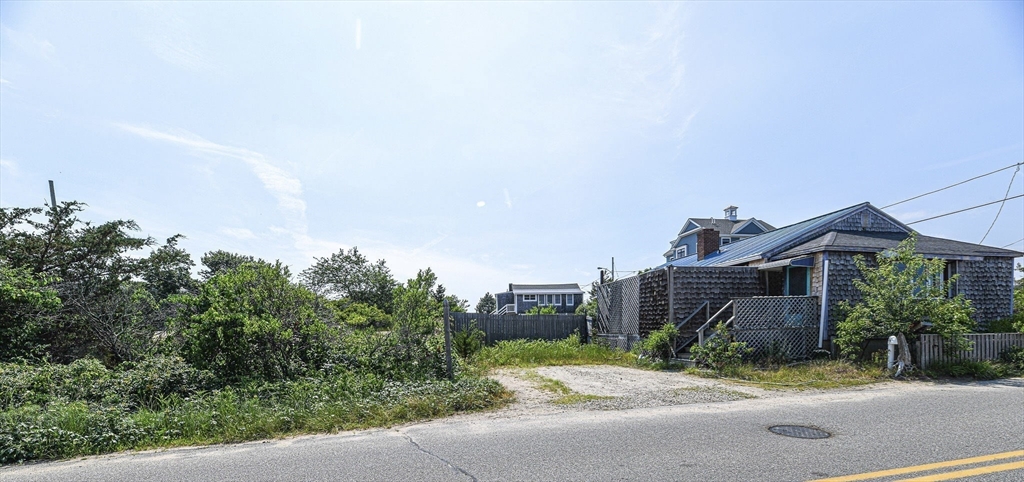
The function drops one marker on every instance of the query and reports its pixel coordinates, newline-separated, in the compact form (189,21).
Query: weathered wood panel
(987,346)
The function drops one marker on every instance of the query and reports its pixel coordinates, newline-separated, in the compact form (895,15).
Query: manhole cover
(799,431)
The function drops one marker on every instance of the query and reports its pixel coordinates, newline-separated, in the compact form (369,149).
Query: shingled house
(814,259)
(730,229)
(520,298)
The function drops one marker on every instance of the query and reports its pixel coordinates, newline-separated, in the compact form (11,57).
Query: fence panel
(987,346)
(515,327)
(787,323)
(618,306)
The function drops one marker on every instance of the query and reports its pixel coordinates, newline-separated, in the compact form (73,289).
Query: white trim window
(681,252)
(569,301)
(558,300)
(527,298)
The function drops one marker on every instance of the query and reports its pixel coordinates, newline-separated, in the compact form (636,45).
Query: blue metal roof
(762,245)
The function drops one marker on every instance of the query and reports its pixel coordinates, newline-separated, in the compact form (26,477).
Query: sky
(506,143)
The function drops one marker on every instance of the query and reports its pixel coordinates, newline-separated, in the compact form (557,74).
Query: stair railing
(701,331)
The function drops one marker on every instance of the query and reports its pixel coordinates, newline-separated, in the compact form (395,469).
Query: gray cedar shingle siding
(691,287)
(503,299)
(989,286)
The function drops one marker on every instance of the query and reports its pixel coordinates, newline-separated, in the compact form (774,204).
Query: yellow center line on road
(926,467)
(988,469)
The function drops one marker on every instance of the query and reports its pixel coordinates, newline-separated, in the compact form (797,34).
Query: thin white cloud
(282,185)
(4,81)
(359,33)
(480,204)
(29,43)
(508,199)
(170,37)
(9,165)
(238,233)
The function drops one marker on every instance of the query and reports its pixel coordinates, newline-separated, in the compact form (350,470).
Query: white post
(893,343)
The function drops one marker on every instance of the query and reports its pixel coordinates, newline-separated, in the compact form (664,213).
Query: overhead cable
(954,185)
(1000,211)
(966,209)
(1013,243)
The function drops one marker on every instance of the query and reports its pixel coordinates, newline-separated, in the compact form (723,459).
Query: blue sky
(507,142)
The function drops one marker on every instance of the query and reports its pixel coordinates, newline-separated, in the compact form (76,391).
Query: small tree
(487,303)
(903,291)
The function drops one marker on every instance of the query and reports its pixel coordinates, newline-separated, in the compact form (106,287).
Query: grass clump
(566,396)
(820,374)
(534,353)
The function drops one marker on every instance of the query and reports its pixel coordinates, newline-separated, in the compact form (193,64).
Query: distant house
(729,228)
(519,298)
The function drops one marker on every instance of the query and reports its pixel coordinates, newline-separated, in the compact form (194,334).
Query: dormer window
(726,241)
(681,252)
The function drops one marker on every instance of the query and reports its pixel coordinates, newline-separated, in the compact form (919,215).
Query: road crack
(438,457)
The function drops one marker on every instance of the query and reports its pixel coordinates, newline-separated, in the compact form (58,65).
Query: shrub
(659,344)
(980,370)
(253,323)
(720,351)
(468,342)
(898,295)
(1013,356)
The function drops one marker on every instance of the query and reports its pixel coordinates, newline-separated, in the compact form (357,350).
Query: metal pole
(53,197)
(448,341)
(613,269)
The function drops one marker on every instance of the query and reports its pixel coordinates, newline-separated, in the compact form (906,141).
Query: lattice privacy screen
(618,307)
(786,323)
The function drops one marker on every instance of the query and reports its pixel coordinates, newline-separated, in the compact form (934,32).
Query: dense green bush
(87,380)
(1014,357)
(720,351)
(252,322)
(659,344)
(468,342)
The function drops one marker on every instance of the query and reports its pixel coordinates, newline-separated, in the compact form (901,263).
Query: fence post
(671,312)
(448,341)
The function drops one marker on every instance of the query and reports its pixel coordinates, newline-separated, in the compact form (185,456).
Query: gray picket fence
(987,346)
(516,327)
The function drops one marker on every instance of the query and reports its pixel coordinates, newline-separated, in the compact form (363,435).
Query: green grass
(566,396)
(536,353)
(61,428)
(816,374)
(978,370)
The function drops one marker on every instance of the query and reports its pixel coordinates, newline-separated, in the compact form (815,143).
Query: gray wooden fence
(516,327)
(987,346)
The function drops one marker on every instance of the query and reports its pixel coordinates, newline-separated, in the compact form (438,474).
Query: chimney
(707,242)
(730,213)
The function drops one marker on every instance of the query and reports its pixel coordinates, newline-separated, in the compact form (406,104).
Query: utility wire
(966,209)
(954,185)
(1000,211)
(1013,243)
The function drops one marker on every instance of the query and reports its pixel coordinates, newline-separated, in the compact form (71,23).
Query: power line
(1013,243)
(1000,211)
(966,209)
(954,185)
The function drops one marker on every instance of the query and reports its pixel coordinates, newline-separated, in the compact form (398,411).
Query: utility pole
(613,269)
(448,341)
(53,197)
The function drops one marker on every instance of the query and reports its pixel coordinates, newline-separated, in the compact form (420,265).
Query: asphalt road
(873,429)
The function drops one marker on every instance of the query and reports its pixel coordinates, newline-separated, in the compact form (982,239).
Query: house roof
(872,242)
(722,225)
(819,234)
(564,287)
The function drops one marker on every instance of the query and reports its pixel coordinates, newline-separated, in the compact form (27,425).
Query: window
(549,299)
(798,281)
(726,241)
(569,300)
(681,252)
(558,299)
(529,297)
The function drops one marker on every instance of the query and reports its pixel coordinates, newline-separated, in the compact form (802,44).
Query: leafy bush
(468,342)
(774,355)
(360,315)
(541,310)
(979,370)
(720,351)
(253,323)
(659,344)
(1013,356)
(1010,324)
(900,293)
(87,380)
